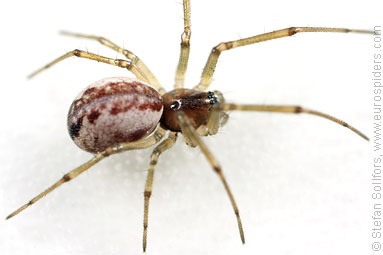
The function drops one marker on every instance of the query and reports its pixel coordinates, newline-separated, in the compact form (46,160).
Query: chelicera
(118,114)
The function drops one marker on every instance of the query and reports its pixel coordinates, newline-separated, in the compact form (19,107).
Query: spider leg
(185,47)
(135,61)
(189,131)
(163,146)
(208,71)
(88,55)
(290,109)
(141,144)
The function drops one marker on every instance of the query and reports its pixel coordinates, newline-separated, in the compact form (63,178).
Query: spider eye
(175,105)
(213,101)
(212,97)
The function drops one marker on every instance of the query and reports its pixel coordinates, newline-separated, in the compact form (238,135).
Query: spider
(118,114)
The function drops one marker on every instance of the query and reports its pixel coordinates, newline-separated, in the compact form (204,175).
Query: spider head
(197,105)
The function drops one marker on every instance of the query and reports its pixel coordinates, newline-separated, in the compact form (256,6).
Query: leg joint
(67,178)
(292,31)
(222,47)
(153,161)
(298,109)
(147,193)
(122,63)
(77,53)
(185,39)
(217,169)
(109,151)
(102,40)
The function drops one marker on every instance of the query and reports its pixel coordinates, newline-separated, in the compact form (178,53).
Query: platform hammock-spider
(118,114)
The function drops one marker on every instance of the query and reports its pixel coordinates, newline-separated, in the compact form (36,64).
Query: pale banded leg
(185,47)
(289,109)
(136,61)
(84,54)
(163,146)
(208,71)
(142,144)
(189,131)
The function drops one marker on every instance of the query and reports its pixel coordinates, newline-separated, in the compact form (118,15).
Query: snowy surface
(300,182)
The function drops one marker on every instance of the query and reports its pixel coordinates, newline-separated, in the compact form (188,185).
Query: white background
(301,182)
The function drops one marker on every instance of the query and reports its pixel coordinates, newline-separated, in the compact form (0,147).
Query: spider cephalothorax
(196,105)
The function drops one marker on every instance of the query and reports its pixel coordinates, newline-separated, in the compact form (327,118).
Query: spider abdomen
(111,111)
